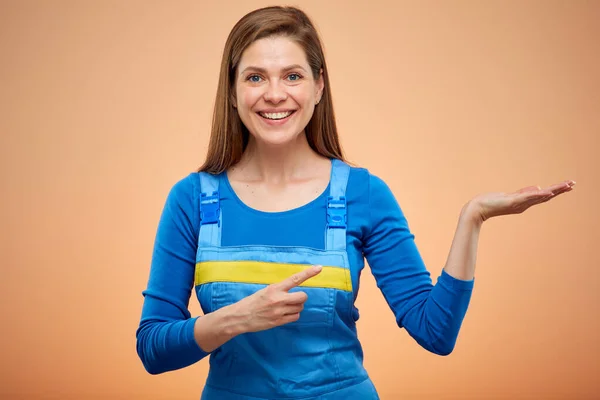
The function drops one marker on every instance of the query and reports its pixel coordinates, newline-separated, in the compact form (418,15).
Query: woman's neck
(278,164)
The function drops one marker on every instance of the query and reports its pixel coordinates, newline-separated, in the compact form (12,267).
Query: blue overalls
(318,356)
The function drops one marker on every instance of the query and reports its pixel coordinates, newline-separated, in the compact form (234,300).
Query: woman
(273,230)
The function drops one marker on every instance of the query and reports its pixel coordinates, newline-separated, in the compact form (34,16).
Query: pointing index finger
(299,277)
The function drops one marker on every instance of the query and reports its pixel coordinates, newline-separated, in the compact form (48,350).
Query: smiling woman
(276,92)
(273,62)
(272,232)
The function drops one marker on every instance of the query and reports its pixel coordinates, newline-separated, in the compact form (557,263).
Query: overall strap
(210,211)
(335,238)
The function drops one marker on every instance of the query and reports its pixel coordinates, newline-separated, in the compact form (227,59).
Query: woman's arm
(166,333)
(433,314)
(463,251)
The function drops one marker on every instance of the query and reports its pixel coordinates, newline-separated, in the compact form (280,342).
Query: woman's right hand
(265,309)
(274,305)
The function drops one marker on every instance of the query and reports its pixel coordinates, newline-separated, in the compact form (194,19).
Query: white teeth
(280,115)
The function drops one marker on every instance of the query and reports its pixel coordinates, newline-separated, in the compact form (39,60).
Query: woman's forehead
(273,54)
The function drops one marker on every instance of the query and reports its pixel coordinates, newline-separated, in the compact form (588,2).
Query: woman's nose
(275,92)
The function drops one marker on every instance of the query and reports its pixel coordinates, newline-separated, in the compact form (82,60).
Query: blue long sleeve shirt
(377,231)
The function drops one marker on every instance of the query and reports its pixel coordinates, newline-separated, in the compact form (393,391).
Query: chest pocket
(319,306)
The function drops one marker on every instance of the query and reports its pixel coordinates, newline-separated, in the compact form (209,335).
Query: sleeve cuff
(455,284)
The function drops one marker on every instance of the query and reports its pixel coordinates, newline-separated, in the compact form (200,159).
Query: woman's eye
(294,77)
(254,78)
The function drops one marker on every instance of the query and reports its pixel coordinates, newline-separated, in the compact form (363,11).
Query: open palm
(495,204)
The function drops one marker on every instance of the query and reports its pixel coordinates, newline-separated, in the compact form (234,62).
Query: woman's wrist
(234,322)
(214,329)
(470,213)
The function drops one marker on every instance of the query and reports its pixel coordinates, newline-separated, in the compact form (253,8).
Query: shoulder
(364,184)
(185,187)
(183,195)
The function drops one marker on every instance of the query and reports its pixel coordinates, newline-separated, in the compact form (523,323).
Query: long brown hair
(229,136)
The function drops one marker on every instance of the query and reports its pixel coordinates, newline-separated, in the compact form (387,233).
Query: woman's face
(276,92)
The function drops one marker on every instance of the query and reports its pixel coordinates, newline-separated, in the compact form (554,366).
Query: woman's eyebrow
(264,71)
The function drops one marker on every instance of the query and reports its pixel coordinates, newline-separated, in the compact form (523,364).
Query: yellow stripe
(267,273)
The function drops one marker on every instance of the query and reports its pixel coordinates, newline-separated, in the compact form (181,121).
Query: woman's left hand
(488,205)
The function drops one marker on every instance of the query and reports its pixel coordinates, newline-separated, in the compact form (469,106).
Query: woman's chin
(274,138)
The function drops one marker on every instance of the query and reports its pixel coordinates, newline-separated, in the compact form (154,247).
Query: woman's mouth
(276,117)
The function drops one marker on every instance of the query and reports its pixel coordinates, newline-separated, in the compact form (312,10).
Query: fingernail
(318,268)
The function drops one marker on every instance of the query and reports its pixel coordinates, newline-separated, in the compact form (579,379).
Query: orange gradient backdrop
(106,104)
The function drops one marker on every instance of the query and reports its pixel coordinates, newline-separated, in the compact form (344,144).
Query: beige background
(106,104)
